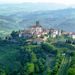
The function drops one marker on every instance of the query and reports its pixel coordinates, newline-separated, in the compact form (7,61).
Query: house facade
(53,33)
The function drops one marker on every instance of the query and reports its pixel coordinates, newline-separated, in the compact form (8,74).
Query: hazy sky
(67,2)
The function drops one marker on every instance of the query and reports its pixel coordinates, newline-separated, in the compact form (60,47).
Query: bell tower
(37,23)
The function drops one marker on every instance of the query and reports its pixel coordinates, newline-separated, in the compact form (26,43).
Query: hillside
(20,58)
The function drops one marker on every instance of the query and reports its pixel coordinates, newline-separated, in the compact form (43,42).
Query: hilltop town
(37,34)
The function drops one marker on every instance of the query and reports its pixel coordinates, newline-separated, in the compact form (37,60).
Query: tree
(14,34)
(47,47)
(2,72)
(29,68)
(33,57)
(48,71)
(71,71)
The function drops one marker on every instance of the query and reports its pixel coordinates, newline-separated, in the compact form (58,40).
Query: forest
(47,58)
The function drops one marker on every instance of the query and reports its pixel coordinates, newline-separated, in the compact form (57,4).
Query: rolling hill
(20,18)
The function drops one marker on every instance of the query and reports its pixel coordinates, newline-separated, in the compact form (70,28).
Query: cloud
(67,2)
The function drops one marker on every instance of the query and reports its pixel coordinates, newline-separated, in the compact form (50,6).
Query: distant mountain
(8,9)
(60,19)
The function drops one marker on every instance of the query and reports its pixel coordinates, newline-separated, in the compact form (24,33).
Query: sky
(66,2)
